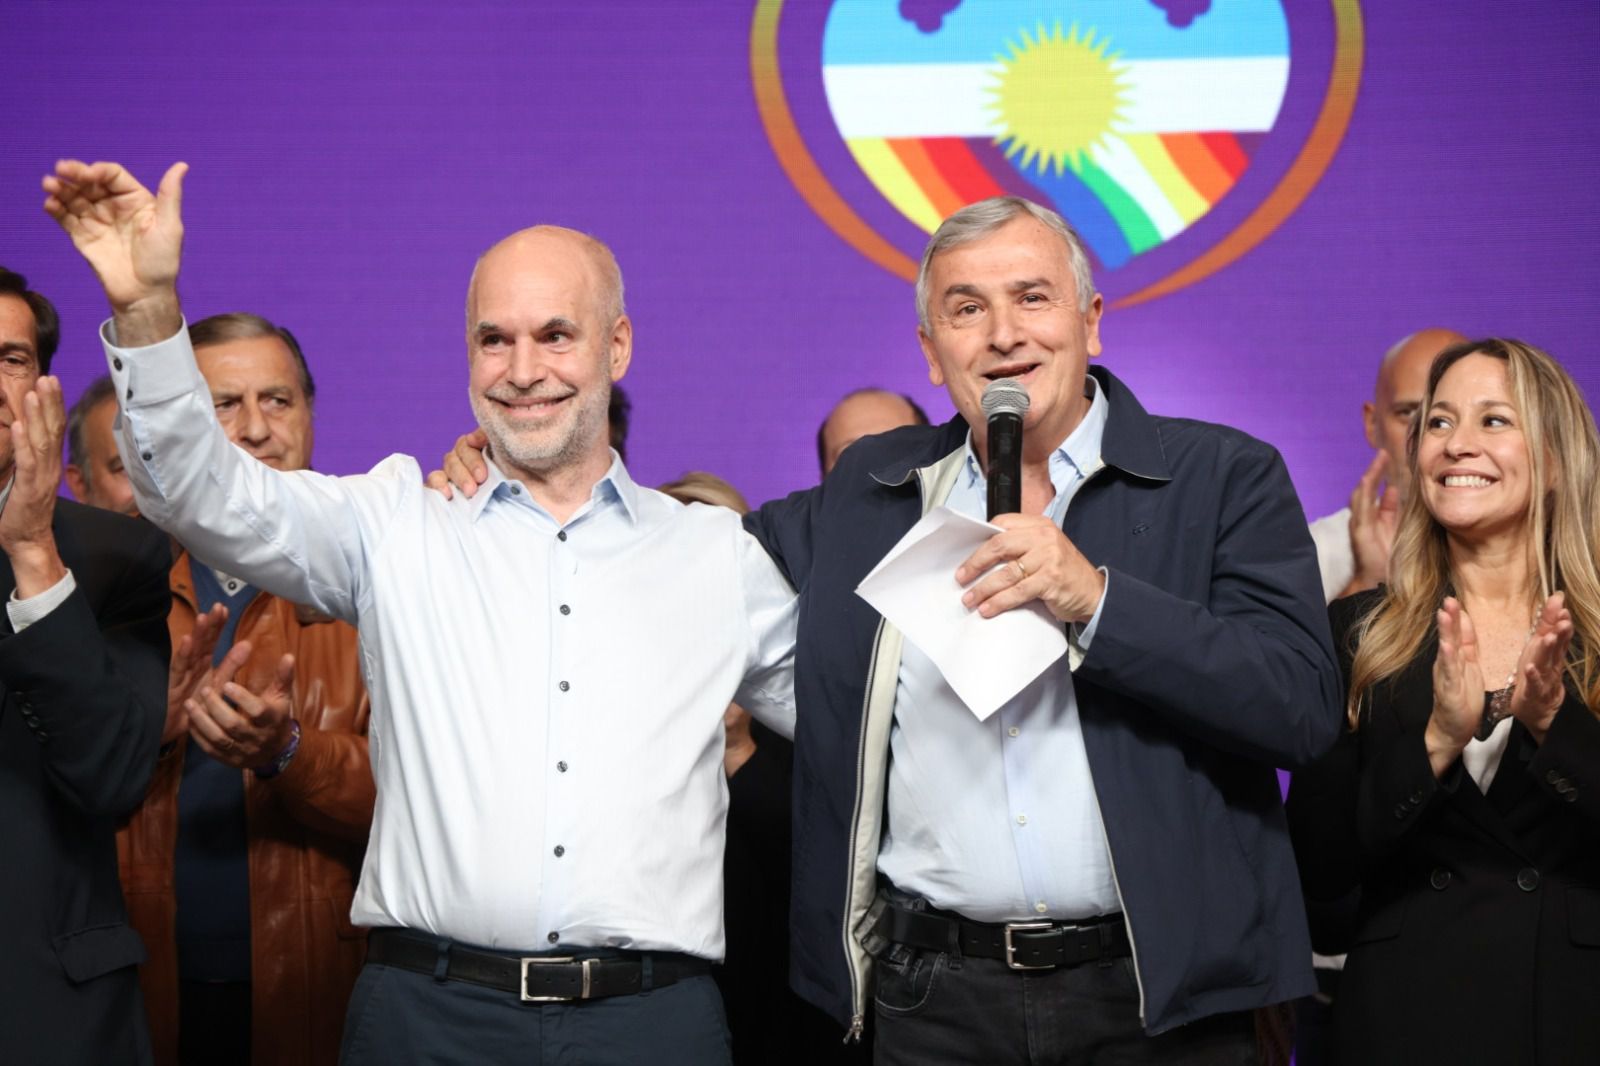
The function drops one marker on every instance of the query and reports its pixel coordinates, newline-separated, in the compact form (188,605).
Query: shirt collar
(1080,451)
(615,486)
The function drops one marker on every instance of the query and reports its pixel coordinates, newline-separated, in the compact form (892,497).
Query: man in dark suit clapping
(83,665)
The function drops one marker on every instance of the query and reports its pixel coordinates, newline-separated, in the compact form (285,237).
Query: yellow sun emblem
(1056,96)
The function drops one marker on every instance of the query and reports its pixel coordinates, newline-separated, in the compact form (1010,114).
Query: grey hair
(99,391)
(983,218)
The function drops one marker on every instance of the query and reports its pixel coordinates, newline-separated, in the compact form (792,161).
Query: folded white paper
(985,660)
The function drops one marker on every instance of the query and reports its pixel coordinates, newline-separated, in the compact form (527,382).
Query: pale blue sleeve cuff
(153,374)
(24,613)
(1081,634)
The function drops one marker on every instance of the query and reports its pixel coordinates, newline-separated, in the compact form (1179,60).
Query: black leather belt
(535,978)
(1020,945)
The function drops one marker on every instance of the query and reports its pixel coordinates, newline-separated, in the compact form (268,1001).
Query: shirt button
(1040,907)
(1440,878)
(1022,819)
(560,851)
(516,490)
(565,609)
(1013,731)
(562,766)
(1527,879)
(553,937)
(130,394)
(147,456)
(563,686)
(116,364)
(561,535)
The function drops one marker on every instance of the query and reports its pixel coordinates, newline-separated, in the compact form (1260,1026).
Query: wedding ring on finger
(1023,570)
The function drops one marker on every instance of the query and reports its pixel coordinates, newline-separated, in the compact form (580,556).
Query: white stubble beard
(571,442)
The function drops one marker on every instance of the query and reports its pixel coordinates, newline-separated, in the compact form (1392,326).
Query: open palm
(132,239)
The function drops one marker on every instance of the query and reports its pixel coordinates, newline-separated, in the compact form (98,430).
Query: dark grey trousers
(934,1009)
(398,1016)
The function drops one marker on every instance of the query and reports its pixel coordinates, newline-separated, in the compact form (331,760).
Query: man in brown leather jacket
(240,866)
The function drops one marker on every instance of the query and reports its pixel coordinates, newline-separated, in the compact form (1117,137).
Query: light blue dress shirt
(547,698)
(998,819)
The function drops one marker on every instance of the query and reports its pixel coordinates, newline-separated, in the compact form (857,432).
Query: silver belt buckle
(583,991)
(1011,948)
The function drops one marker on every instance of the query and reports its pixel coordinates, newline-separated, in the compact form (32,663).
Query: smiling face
(545,342)
(1473,464)
(1005,305)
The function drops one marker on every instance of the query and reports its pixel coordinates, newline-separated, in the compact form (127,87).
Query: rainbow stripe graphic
(1129,125)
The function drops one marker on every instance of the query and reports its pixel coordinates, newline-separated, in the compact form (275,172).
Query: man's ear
(621,345)
(935,372)
(1097,307)
(77,483)
(1369,418)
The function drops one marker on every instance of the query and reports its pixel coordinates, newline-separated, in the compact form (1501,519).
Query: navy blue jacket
(1211,665)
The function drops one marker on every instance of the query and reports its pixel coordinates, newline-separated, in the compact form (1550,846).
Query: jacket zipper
(1127,919)
(858,1017)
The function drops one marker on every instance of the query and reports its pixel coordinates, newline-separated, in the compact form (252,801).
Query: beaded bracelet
(277,765)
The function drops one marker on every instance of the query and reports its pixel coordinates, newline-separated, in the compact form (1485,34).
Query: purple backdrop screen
(351,160)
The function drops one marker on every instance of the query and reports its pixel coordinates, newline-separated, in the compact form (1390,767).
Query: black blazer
(1476,931)
(82,699)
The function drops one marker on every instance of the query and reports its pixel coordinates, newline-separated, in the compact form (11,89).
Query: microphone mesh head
(1005,396)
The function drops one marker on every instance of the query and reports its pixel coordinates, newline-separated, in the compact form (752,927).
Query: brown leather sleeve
(328,786)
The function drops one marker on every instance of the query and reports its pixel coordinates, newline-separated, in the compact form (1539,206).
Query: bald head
(546,339)
(861,414)
(540,246)
(1397,393)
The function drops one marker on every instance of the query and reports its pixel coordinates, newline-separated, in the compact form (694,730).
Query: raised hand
(239,727)
(464,466)
(26,534)
(1374,518)
(132,239)
(191,669)
(1539,692)
(1031,559)
(1457,687)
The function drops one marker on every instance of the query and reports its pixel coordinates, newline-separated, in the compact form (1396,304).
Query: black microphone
(1005,401)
